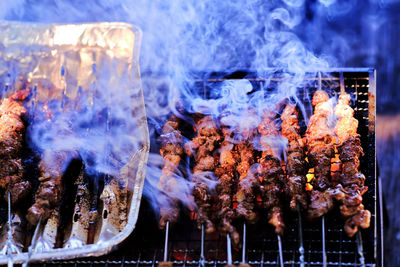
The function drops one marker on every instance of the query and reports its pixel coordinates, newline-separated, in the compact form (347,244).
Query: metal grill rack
(145,246)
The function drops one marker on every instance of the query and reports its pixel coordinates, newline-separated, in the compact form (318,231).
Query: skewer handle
(324,259)
(280,251)
(229,251)
(342,89)
(360,249)
(244,244)
(301,246)
(202,258)
(165,262)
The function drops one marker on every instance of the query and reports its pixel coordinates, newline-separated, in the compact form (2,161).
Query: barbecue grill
(324,243)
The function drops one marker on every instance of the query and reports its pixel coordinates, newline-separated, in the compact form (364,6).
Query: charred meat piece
(323,201)
(49,192)
(349,147)
(226,182)
(296,164)
(248,183)
(204,147)
(319,138)
(171,150)
(271,172)
(12,132)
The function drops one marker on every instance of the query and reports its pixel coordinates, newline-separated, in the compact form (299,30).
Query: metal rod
(244,244)
(11,248)
(342,88)
(324,260)
(229,249)
(301,245)
(360,249)
(280,251)
(33,243)
(166,241)
(202,258)
(319,81)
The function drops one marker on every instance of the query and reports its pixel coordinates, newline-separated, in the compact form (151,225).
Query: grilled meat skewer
(349,147)
(296,164)
(248,181)
(12,131)
(270,170)
(171,151)
(49,192)
(226,173)
(320,149)
(204,146)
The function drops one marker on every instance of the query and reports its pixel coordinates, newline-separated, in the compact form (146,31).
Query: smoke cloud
(184,37)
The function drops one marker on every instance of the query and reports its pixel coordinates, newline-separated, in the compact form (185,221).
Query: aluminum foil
(62,63)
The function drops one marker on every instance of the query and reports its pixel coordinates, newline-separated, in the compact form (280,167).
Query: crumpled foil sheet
(63,63)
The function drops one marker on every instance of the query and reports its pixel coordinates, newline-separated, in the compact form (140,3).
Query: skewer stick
(202,258)
(342,89)
(301,246)
(360,249)
(229,251)
(244,244)
(33,243)
(11,247)
(319,81)
(280,251)
(243,263)
(165,262)
(324,260)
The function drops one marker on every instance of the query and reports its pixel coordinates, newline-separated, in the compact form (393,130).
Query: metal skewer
(229,251)
(202,258)
(324,259)
(280,251)
(342,88)
(165,261)
(301,246)
(11,247)
(33,243)
(360,249)
(243,263)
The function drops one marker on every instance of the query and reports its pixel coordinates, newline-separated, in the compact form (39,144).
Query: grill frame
(145,246)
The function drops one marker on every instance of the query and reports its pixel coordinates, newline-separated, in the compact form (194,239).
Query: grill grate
(145,246)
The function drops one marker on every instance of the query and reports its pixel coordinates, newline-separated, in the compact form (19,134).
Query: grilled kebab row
(235,178)
(59,188)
